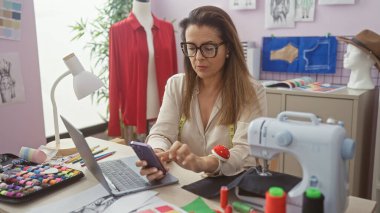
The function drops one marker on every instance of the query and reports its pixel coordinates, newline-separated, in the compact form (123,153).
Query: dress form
(360,64)
(142,11)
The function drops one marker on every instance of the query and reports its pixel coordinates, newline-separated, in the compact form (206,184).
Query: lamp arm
(55,114)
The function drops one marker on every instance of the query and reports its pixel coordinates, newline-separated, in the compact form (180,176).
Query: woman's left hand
(182,155)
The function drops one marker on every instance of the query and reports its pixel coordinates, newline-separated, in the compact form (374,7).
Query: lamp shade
(84,82)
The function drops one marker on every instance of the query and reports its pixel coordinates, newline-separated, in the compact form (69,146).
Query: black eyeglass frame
(216,45)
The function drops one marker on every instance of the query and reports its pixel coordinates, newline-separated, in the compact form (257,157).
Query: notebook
(118,177)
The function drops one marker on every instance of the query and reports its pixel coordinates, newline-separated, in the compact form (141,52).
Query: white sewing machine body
(321,149)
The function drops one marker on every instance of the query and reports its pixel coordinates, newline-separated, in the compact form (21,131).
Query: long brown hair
(237,89)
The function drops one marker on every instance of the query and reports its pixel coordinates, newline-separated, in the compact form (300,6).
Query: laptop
(118,177)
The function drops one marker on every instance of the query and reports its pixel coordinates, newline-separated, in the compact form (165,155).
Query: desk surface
(173,194)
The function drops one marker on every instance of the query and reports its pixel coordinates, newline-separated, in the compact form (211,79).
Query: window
(53,18)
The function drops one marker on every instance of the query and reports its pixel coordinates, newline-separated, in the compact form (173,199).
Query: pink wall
(21,124)
(336,19)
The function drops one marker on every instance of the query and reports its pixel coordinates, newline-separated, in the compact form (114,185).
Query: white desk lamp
(84,83)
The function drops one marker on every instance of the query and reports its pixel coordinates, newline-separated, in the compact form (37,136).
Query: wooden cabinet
(353,107)
(376,167)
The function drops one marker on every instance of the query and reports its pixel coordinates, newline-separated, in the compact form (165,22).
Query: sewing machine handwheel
(284,138)
(348,149)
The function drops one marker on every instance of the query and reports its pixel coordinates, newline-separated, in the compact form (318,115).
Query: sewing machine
(321,149)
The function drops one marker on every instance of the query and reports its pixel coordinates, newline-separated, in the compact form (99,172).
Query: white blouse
(201,140)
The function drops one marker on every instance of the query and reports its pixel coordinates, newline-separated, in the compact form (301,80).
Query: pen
(76,156)
(100,151)
(93,153)
(100,157)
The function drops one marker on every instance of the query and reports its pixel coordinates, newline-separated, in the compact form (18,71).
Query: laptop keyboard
(121,175)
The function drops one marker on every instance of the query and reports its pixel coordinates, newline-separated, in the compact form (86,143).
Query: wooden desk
(173,194)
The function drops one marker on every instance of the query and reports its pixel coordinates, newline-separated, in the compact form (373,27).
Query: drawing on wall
(305,10)
(279,13)
(11,84)
(299,54)
(331,2)
(242,4)
(10,19)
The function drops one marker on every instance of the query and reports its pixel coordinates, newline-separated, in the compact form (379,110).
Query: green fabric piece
(199,206)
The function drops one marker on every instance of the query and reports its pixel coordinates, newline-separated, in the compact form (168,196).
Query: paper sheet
(97,199)
(156,205)
(73,202)
(131,202)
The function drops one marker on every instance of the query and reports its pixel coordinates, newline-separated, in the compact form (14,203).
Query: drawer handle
(282,116)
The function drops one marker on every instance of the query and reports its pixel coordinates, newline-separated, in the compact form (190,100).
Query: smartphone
(146,153)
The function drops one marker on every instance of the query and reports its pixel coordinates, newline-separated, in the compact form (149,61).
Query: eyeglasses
(208,50)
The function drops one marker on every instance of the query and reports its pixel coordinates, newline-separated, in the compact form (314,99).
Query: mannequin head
(357,60)
(360,64)
(363,51)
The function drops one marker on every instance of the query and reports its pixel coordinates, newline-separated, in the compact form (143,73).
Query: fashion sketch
(99,205)
(305,10)
(279,9)
(279,13)
(7,83)
(11,84)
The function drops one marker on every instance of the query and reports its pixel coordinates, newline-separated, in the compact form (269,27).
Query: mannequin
(142,57)
(142,10)
(360,64)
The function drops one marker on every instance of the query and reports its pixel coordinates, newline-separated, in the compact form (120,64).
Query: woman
(211,103)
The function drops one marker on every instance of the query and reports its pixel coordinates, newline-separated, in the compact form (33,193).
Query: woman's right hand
(153,173)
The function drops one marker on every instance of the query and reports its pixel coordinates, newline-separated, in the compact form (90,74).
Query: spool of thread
(223,197)
(32,155)
(242,207)
(228,209)
(275,200)
(312,201)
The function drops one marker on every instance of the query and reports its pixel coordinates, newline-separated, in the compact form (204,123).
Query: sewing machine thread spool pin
(331,121)
(313,181)
(341,123)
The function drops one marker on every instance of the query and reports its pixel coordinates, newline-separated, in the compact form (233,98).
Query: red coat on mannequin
(128,68)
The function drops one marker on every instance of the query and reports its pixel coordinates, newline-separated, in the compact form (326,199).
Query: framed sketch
(305,10)
(242,4)
(11,83)
(279,13)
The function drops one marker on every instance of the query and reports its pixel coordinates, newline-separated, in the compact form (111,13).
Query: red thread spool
(223,197)
(228,209)
(275,200)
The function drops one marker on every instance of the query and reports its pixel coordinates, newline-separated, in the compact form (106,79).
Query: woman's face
(206,68)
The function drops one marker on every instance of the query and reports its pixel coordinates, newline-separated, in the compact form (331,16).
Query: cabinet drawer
(274,104)
(339,109)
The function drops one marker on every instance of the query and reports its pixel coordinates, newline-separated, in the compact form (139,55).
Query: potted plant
(97,30)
